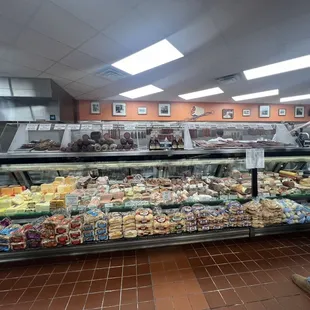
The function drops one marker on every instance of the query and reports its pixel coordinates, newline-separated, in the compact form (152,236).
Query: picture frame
(95,107)
(164,109)
(282,112)
(119,109)
(299,111)
(264,111)
(227,114)
(142,110)
(246,112)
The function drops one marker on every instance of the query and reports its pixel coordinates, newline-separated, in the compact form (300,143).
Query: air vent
(228,79)
(110,73)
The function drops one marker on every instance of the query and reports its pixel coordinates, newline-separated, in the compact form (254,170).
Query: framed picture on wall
(142,110)
(264,111)
(164,109)
(299,111)
(95,107)
(119,109)
(246,112)
(227,113)
(282,112)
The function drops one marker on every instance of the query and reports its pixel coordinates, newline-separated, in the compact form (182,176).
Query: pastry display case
(56,202)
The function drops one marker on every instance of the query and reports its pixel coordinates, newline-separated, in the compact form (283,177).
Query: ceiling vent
(111,73)
(228,79)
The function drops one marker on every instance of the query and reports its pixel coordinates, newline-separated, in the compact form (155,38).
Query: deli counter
(62,196)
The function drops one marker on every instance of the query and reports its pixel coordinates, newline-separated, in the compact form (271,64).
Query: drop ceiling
(70,41)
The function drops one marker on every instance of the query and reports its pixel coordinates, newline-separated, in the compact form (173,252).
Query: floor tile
(95,300)
(214,299)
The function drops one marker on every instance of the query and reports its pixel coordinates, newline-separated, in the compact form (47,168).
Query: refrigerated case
(214,184)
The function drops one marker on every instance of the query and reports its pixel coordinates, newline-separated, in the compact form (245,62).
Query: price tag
(32,127)
(96,127)
(266,195)
(129,204)
(200,185)
(86,126)
(71,200)
(107,126)
(74,126)
(255,158)
(166,196)
(108,205)
(233,197)
(192,186)
(45,127)
(82,209)
(130,127)
(60,126)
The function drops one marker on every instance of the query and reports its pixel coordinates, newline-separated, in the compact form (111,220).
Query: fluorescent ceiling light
(295,98)
(278,67)
(153,56)
(262,94)
(202,93)
(142,91)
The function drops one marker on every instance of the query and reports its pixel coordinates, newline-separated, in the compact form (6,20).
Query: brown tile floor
(239,274)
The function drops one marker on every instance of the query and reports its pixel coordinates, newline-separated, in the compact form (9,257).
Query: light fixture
(202,93)
(153,56)
(141,91)
(261,94)
(278,67)
(295,98)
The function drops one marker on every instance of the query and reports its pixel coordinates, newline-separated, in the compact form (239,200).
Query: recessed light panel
(278,67)
(202,93)
(295,98)
(262,94)
(141,91)
(153,56)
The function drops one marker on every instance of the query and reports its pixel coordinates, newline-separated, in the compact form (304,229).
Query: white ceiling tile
(73,92)
(201,31)
(171,16)
(94,81)
(83,62)
(134,31)
(104,49)
(40,44)
(60,25)
(13,70)
(80,87)
(60,81)
(98,14)
(26,59)
(96,94)
(19,11)
(65,72)
(9,30)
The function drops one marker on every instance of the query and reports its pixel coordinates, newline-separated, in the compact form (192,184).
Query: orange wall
(182,110)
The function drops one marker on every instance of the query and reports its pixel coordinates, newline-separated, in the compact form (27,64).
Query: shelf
(128,244)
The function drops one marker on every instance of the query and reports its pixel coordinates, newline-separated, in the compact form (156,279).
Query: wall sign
(95,107)
(119,109)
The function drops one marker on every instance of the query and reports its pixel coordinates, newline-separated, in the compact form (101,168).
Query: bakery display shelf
(273,154)
(126,244)
(116,165)
(23,218)
(279,229)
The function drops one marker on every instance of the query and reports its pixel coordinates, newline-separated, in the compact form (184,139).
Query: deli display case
(69,201)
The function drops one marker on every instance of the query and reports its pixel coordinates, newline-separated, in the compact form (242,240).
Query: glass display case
(56,203)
